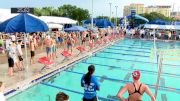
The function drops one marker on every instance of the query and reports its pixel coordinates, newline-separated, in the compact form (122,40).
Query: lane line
(131,69)
(134,60)
(128,50)
(77,92)
(176,90)
(125,54)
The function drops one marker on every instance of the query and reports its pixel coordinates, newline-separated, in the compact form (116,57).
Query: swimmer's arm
(121,92)
(147,90)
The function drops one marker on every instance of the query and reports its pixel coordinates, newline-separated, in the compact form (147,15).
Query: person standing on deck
(90,84)
(135,89)
(49,44)
(32,51)
(2,98)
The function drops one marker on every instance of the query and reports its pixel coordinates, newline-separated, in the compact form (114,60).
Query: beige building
(140,9)
(165,10)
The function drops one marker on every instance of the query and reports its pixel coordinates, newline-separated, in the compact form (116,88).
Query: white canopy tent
(151,26)
(53,25)
(57,20)
(154,26)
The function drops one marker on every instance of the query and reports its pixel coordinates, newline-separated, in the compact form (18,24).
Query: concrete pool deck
(21,79)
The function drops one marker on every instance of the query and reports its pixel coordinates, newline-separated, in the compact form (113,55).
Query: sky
(100,7)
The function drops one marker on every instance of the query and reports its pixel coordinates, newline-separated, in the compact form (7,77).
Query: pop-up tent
(103,23)
(75,28)
(23,23)
(57,20)
(159,22)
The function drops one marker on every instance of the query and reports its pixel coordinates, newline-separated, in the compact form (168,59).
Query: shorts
(20,58)
(32,53)
(11,62)
(93,99)
(48,50)
(69,45)
(57,40)
(60,40)
(83,40)
(54,49)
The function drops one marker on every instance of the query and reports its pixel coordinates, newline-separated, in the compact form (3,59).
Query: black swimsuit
(136,91)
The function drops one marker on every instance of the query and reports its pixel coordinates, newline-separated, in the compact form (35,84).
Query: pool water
(114,66)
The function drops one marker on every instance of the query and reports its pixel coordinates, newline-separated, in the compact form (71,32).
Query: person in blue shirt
(90,84)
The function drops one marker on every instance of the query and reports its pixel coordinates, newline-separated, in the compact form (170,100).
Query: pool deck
(23,79)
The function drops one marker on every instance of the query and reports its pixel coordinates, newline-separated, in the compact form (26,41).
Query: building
(140,9)
(175,15)
(165,10)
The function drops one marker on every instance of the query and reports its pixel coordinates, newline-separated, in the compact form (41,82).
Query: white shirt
(2,97)
(19,51)
(13,37)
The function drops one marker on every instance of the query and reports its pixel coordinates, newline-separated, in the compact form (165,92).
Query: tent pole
(26,59)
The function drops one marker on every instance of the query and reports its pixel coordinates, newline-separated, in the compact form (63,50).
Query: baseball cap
(136,75)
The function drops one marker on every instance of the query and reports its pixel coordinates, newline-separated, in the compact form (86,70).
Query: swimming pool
(114,66)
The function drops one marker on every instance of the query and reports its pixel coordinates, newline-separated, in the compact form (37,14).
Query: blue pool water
(114,66)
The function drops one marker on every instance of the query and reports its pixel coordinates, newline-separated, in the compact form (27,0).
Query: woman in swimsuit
(135,89)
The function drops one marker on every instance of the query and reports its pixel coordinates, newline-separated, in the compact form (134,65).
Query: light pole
(92,16)
(110,11)
(178,12)
(116,14)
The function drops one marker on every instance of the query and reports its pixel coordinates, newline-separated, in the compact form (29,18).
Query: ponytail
(87,77)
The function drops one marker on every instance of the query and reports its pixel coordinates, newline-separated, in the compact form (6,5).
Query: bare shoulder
(128,85)
(144,86)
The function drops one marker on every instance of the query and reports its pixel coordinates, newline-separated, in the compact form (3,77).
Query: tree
(154,15)
(70,11)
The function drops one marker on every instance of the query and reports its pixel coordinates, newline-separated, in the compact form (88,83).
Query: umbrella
(75,28)
(23,23)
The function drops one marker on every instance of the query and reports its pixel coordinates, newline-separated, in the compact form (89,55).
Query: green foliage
(154,15)
(70,11)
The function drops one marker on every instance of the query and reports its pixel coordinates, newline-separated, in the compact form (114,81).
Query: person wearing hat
(135,89)
(90,84)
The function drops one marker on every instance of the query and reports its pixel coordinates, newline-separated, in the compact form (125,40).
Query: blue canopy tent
(177,23)
(75,28)
(159,22)
(103,23)
(23,23)
(89,21)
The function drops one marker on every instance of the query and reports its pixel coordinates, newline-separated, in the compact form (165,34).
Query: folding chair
(66,54)
(46,62)
(81,49)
